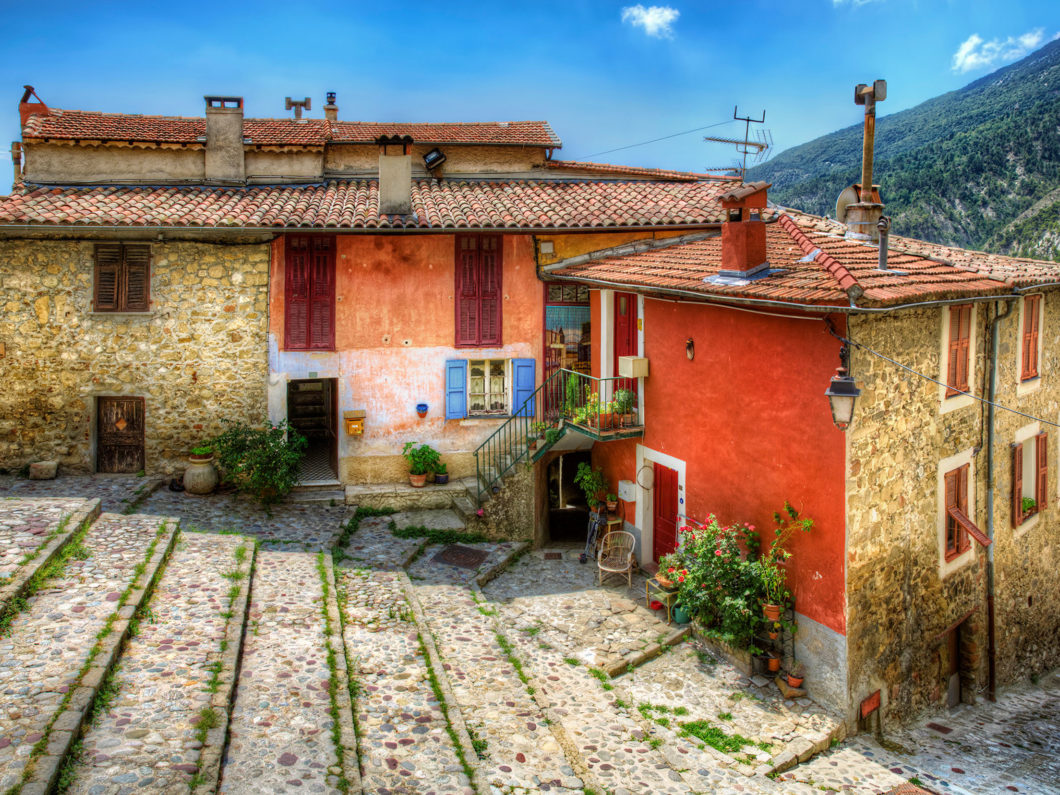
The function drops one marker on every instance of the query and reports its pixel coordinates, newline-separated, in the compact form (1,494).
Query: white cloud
(975,53)
(657,21)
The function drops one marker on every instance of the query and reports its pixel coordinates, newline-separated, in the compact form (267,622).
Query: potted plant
(264,462)
(1029,505)
(441,474)
(681,614)
(592,482)
(538,429)
(772,663)
(624,407)
(552,435)
(201,476)
(421,460)
(774,630)
(670,568)
(796,675)
(611,501)
(772,577)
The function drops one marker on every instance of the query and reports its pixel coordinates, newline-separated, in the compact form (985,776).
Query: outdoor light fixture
(690,349)
(433,159)
(842,392)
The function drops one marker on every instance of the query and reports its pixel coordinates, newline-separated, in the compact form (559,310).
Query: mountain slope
(978,167)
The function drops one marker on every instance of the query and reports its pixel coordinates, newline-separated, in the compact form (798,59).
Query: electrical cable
(1001,406)
(652,141)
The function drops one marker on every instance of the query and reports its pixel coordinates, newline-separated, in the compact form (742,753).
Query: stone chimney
(331,110)
(224,141)
(743,234)
(395,174)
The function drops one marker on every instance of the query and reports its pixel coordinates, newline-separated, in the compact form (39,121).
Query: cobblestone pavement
(404,746)
(1011,745)
(427,568)
(42,652)
(115,492)
(146,739)
(280,730)
(26,525)
(374,546)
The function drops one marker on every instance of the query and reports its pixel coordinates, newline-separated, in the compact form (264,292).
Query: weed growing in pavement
(68,771)
(605,680)
(724,716)
(208,719)
(477,742)
(655,742)
(572,661)
(715,737)
(30,556)
(333,678)
(436,688)
(354,524)
(105,696)
(680,710)
(532,631)
(435,535)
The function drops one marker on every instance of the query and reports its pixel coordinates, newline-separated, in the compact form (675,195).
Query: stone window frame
(1031,383)
(947,465)
(953,402)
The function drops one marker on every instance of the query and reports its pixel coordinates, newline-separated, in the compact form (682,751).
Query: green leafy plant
(552,435)
(263,462)
(623,403)
(591,481)
(202,449)
(440,469)
(422,459)
(539,428)
(1029,504)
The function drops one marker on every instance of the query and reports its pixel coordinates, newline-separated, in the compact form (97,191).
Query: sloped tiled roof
(353,204)
(807,266)
(86,125)
(605,169)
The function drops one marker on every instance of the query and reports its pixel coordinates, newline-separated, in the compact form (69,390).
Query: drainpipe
(990,645)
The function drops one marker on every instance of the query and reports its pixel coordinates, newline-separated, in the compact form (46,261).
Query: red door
(625,327)
(664,512)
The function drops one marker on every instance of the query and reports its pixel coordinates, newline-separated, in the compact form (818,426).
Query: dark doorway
(312,410)
(119,434)
(953,667)
(664,512)
(568,512)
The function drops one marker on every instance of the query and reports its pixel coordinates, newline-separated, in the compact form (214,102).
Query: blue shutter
(455,389)
(523,377)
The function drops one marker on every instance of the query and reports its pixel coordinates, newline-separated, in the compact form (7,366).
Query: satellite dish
(847,197)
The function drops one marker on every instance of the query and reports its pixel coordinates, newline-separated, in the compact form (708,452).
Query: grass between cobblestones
(342,600)
(42,744)
(435,535)
(333,678)
(354,525)
(31,556)
(443,705)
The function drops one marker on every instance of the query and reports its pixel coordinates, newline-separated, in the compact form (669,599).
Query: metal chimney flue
(862,216)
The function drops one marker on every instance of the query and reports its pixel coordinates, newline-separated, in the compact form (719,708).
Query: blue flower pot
(681,615)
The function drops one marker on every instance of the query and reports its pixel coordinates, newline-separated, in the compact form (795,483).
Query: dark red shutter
(1017,484)
(137,268)
(1041,491)
(478,290)
(108,266)
(467,308)
(322,296)
(951,502)
(490,291)
(1030,337)
(962,506)
(296,295)
(960,334)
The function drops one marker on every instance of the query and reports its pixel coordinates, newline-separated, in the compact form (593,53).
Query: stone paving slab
(521,754)
(280,729)
(147,738)
(374,546)
(425,569)
(116,493)
(47,643)
(405,746)
(28,524)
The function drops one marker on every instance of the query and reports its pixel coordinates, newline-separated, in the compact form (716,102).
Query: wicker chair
(616,556)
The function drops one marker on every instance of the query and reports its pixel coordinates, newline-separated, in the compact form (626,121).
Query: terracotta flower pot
(795,681)
(771,612)
(665,582)
(773,664)
(773,635)
(418,481)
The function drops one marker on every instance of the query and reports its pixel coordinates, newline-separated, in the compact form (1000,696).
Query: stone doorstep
(403,496)
(20,579)
(62,735)
(637,659)
(212,752)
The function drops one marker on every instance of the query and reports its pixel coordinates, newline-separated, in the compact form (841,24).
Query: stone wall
(902,598)
(198,357)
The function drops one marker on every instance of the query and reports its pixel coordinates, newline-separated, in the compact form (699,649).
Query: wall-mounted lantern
(842,392)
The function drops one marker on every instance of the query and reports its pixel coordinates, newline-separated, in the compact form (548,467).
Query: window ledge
(149,313)
(1027,524)
(954,402)
(1028,385)
(480,417)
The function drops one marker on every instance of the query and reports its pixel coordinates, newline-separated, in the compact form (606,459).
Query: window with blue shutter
(455,389)
(523,378)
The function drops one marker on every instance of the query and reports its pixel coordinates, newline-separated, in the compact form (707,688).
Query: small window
(122,279)
(1031,321)
(487,391)
(956,511)
(958,349)
(1030,477)
(489,387)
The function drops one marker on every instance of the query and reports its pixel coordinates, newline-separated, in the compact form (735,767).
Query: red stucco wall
(749,417)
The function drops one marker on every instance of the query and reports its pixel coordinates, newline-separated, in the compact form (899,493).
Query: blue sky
(605,74)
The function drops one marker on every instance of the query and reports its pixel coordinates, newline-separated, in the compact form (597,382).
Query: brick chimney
(224,141)
(331,110)
(27,108)
(743,234)
(395,174)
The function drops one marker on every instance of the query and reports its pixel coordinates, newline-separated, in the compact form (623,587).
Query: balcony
(600,408)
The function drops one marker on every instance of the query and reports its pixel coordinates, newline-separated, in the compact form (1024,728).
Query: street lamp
(842,393)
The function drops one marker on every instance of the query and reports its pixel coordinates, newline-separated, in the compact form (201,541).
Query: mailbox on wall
(354,422)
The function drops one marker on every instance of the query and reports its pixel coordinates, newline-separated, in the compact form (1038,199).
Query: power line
(652,141)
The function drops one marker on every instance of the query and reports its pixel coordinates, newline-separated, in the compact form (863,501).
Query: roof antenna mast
(762,142)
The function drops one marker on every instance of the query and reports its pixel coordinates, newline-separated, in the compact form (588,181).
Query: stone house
(926,579)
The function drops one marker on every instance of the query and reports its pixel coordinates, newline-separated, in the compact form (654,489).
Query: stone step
(49,643)
(402,496)
(164,679)
(518,750)
(405,743)
(328,495)
(432,519)
(280,728)
(464,507)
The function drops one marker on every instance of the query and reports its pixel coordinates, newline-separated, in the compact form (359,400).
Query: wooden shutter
(296,295)
(490,291)
(1031,312)
(1017,484)
(951,502)
(1041,483)
(137,279)
(523,371)
(467,308)
(455,389)
(107,270)
(960,334)
(321,296)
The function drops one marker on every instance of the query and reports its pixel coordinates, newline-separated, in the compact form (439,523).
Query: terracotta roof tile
(353,204)
(808,266)
(606,169)
(80,124)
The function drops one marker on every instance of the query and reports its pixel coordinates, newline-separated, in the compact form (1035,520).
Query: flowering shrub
(263,462)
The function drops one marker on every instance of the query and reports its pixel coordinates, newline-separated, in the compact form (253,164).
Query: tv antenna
(757,147)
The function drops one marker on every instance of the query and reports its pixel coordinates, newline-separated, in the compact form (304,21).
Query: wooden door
(119,434)
(664,512)
(625,336)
